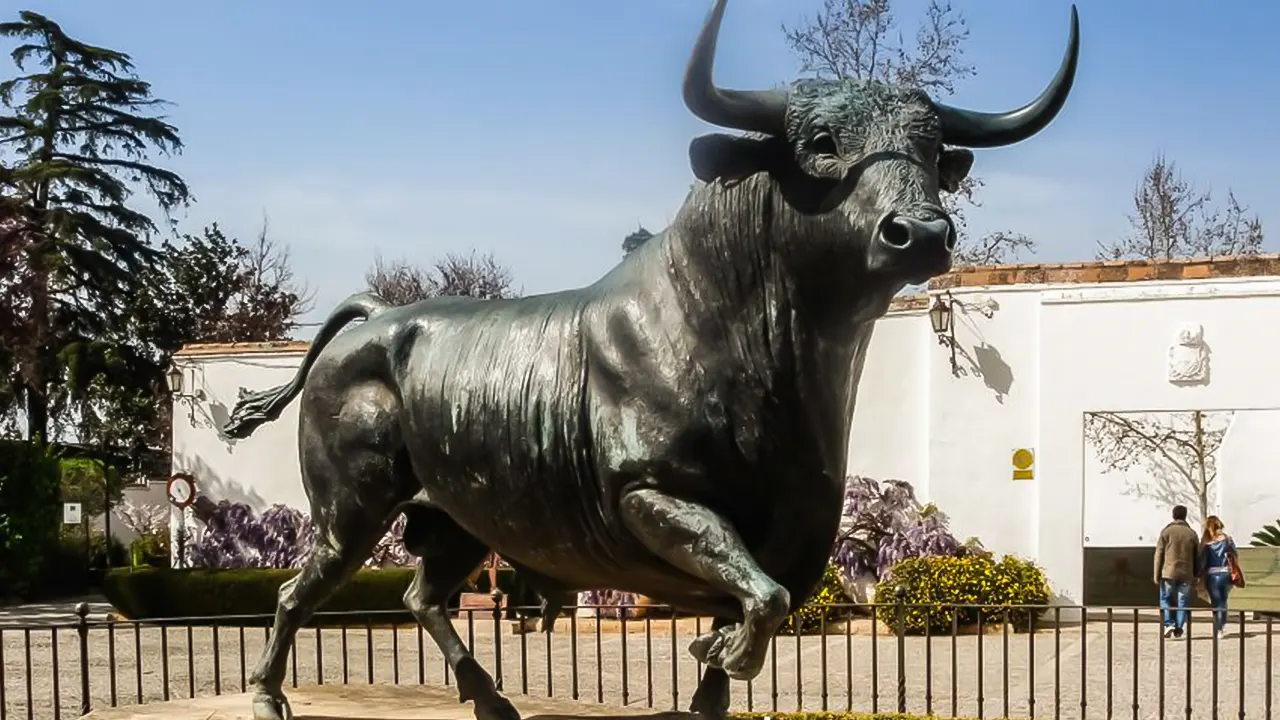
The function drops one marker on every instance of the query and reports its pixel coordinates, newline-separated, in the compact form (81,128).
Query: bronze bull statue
(676,429)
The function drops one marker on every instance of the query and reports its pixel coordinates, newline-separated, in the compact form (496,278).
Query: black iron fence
(1061,662)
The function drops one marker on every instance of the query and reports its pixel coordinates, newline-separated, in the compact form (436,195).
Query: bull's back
(493,416)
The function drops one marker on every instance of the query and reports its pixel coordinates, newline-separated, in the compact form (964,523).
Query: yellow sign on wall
(1024,464)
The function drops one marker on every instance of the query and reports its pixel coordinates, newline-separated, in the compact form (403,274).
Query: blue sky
(546,131)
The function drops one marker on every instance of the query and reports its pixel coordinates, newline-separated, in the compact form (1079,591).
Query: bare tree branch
(997,248)
(1184,444)
(858,39)
(1172,219)
(401,283)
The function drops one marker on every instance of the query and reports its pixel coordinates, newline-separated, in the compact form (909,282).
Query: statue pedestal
(366,702)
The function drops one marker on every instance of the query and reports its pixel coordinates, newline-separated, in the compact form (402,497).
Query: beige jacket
(1178,553)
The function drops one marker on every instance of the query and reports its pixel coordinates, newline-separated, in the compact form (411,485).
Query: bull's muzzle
(933,233)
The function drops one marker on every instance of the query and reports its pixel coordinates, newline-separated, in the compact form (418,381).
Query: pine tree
(76,139)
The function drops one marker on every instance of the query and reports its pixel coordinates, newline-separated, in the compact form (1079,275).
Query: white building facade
(1002,442)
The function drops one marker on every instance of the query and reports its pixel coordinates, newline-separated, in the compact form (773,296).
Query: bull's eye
(822,143)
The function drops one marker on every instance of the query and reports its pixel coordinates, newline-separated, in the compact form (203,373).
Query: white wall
(1027,374)
(1249,473)
(1105,348)
(259,471)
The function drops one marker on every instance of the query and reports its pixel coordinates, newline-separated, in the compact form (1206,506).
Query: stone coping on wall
(1106,271)
(279,347)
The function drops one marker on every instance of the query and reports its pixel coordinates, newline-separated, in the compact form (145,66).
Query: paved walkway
(1067,672)
(62,612)
(364,703)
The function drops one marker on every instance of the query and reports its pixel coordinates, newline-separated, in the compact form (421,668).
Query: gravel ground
(855,669)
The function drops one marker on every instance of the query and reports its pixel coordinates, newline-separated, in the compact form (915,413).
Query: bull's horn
(752,110)
(967,128)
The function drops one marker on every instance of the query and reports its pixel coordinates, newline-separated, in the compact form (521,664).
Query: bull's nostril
(950,243)
(894,232)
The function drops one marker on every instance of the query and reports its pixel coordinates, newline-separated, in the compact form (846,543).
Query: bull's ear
(729,158)
(953,167)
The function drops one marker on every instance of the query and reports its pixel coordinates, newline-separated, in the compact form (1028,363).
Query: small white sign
(71,513)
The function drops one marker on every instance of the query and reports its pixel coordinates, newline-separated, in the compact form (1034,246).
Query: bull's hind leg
(696,540)
(333,559)
(449,554)
(354,482)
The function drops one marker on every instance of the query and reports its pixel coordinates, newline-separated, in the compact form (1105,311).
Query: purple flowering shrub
(235,537)
(883,524)
(390,550)
(281,537)
(615,603)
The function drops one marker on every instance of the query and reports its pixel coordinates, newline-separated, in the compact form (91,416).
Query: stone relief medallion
(1188,362)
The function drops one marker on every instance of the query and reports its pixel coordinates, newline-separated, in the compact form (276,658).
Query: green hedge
(934,583)
(29,516)
(155,593)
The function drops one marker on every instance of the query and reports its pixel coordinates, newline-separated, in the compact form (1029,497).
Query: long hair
(1212,526)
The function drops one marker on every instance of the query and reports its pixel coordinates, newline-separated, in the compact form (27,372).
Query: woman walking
(1219,561)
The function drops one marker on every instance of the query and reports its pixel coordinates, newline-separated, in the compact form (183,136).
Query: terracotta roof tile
(1110,271)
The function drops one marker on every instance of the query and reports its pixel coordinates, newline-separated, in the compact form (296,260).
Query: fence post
(900,610)
(496,594)
(82,629)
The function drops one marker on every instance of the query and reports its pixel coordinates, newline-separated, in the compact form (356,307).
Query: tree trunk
(37,412)
(37,376)
(1202,482)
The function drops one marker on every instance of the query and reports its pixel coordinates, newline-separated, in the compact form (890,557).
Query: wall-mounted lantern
(175,380)
(942,318)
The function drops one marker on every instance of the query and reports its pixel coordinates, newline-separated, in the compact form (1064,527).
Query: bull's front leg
(698,541)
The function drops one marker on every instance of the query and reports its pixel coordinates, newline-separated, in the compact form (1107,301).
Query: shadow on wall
(210,482)
(983,360)
(1166,458)
(210,415)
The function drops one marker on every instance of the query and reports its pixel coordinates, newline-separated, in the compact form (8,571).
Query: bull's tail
(261,407)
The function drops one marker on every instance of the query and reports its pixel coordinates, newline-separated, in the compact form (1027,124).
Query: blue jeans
(1219,586)
(1178,591)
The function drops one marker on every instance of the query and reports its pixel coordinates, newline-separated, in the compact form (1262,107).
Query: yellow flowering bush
(828,604)
(981,585)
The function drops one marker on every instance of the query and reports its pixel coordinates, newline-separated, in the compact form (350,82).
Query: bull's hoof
(708,647)
(271,707)
(729,649)
(496,707)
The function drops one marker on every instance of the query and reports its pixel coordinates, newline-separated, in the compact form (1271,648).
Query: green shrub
(29,515)
(1268,536)
(813,615)
(89,481)
(74,568)
(931,583)
(150,549)
(155,593)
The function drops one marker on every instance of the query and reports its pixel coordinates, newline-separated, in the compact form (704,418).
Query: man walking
(1177,566)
